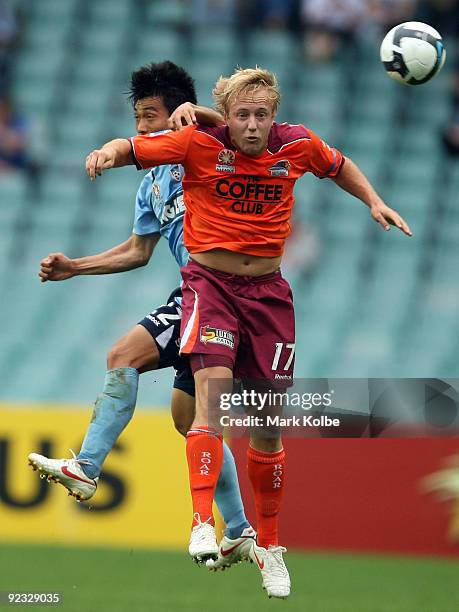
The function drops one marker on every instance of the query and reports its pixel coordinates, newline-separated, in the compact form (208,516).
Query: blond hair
(243,81)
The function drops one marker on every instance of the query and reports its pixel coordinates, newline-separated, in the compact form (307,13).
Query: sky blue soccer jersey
(159,207)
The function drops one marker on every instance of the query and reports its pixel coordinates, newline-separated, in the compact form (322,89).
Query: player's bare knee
(120,356)
(182,427)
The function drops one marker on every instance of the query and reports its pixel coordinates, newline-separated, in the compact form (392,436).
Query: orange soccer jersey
(234,201)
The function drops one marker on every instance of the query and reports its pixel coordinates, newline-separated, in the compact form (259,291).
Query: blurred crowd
(14,128)
(324,28)
(336,15)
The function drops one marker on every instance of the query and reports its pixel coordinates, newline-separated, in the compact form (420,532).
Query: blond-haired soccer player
(238,317)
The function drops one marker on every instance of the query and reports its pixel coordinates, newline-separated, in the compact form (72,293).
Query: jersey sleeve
(322,160)
(164,148)
(145,220)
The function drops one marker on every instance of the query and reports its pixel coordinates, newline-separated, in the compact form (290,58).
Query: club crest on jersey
(176,173)
(280,168)
(226,160)
(214,335)
(157,191)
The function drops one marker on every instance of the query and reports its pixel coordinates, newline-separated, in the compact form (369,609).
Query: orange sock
(266,474)
(204,452)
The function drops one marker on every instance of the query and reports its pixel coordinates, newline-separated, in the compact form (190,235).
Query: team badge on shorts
(280,168)
(214,335)
(226,160)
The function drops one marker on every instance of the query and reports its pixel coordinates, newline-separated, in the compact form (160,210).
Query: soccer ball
(412,53)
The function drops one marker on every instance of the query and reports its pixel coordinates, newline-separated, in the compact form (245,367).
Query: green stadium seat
(268,46)
(52,10)
(107,14)
(13,187)
(38,66)
(46,38)
(101,41)
(170,13)
(79,135)
(215,42)
(45,236)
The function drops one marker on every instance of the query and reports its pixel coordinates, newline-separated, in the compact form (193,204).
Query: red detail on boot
(266,474)
(204,452)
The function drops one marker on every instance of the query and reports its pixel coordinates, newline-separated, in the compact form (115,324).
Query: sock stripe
(200,431)
(264,457)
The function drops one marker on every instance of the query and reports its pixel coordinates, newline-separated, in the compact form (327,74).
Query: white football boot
(66,472)
(203,543)
(233,551)
(274,574)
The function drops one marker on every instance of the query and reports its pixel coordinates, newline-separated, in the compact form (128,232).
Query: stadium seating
(374,304)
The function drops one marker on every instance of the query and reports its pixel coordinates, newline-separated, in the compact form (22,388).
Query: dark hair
(164,80)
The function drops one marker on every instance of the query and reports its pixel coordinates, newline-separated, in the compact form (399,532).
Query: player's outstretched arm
(133,253)
(189,114)
(352,180)
(113,154)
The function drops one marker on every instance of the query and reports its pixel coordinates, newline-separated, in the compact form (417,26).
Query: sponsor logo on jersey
(249,196)
(226,160)
(214,335)
(280,168)
(176,173)
(172,209)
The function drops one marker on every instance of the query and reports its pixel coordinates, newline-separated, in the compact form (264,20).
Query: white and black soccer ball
(413,53)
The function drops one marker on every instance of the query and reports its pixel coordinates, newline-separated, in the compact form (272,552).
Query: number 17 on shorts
(283,360)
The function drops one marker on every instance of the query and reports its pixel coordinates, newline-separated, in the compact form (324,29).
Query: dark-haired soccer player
(156,90)
(239,195)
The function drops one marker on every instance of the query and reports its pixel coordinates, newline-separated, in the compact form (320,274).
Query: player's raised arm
(189,114)
(352,180)
(133,253)
(113,154)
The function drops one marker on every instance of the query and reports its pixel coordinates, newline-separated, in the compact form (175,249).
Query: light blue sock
(228,496)
(113,410)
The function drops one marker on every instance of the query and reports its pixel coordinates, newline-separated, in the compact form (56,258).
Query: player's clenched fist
(56,267)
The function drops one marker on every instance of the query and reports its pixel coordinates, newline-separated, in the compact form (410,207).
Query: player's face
(150,115)
(249,120)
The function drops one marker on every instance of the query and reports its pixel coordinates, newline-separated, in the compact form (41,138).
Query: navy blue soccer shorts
(163,324)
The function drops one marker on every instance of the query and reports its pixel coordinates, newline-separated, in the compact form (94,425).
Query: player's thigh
(137,349)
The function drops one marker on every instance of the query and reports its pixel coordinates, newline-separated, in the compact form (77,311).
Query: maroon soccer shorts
(247,320)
